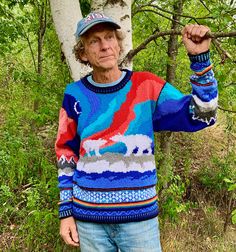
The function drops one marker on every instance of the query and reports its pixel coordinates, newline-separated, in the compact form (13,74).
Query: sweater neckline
(108,89)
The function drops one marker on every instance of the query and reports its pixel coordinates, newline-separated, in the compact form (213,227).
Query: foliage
(28,183)
(85,7)
(147,20)
(172,202)
(220,173)
(28,174)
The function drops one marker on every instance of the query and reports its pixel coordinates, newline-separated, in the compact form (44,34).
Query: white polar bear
(93,145)
(143,142)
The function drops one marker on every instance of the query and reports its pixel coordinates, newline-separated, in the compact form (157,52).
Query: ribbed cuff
(65,214)
(202,57)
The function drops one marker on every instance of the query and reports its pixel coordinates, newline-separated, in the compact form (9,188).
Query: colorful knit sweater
(105,142)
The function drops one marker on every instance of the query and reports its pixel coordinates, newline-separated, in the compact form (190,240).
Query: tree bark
(158,34)
(120,11)
(42,19)
(65,16)
(41,33)
(165,139)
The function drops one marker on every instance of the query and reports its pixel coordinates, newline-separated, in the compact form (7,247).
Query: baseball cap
(92,19)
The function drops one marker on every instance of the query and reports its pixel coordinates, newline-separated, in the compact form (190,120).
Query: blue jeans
(143,236)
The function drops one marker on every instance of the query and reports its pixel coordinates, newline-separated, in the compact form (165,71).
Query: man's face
(101,47)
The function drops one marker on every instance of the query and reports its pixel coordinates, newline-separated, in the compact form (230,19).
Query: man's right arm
(67,148)
(67,157)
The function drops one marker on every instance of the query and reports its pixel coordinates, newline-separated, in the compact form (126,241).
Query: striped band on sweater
(105,143)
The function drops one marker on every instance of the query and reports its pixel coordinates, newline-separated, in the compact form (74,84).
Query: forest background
(197,171)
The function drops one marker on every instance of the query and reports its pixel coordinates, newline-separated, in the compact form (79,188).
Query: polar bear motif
(93,145)
(140,141)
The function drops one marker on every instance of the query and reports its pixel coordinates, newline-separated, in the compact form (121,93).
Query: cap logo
(92,19)
(93,16)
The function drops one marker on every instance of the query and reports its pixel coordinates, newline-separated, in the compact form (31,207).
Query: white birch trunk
(120,11)
(66,15)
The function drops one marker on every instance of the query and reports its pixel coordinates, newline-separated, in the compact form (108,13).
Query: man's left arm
(176,112)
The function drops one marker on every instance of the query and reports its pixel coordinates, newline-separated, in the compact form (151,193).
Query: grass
(198,231)
(196,197)
(29,214)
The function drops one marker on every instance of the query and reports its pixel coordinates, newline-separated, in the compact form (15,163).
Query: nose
(104,44)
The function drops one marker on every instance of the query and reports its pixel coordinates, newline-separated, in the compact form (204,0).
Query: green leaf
(228,180)
(232,187)
(234,216)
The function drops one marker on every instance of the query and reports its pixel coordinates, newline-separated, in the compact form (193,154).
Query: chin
(109,65)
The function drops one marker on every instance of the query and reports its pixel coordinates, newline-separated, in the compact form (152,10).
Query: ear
(119,50)
(83,56)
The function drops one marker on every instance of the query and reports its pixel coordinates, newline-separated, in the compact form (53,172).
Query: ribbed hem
(202,57)
(117,219)
(64,214)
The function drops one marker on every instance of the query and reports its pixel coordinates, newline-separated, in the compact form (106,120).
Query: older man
(105,143)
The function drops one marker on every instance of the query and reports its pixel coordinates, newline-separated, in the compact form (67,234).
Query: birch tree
(120,11)
(66,15)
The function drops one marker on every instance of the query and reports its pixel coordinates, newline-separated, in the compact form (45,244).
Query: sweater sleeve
(178,112)
(67,149)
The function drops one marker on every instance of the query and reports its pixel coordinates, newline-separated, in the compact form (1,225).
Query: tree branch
(169,12)
(201,1)
(230,84)
(227,110)
(223,53)
(159,14)
(143,45)
(25,35)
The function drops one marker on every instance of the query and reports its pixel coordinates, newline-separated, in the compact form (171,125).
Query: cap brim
(115,25)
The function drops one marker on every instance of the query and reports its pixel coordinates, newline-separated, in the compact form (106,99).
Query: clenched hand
(195,39)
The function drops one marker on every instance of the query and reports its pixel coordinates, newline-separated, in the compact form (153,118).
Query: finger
(68,240)
(198,32)
(187,29)
(204,30)
(184,30)
(184,38)
(185,33)
(195,34)
(74,234)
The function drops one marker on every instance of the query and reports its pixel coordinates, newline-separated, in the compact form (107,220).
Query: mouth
(107,56)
